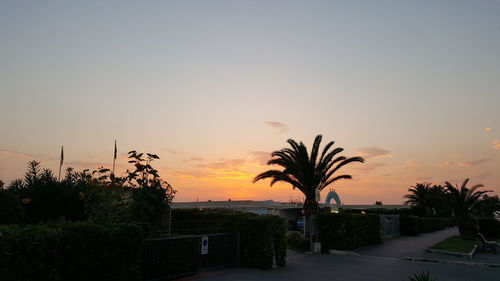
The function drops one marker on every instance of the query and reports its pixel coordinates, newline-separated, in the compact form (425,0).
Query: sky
(213,87)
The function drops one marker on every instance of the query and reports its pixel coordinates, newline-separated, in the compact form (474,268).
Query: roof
(268,204)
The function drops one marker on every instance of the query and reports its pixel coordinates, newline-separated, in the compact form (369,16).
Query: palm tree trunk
(311,227)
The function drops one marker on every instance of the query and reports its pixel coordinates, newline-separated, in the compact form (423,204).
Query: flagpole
(114,159)
(61,163)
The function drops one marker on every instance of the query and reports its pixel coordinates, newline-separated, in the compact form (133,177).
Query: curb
(456,254)
(343,253)
(495,265)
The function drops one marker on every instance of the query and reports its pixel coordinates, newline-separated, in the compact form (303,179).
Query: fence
(171,257)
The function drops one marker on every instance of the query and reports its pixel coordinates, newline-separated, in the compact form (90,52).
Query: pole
(114,159)
(61,163)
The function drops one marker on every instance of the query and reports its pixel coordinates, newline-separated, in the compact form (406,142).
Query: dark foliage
(348,231)
(308,173)
(413,225)
(11,210)
(489,227)
(465,203)
(261,237)
(70,251)
(296,241)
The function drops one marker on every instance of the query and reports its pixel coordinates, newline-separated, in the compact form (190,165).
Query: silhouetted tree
(489,205)
(151,194)
(426,199)
(307,172)
(465,203)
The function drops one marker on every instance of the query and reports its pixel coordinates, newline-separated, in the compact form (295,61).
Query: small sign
(204,245)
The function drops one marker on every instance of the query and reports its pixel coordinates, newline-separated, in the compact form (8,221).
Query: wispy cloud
(373,152)
(261,156)
(278,126)
(474,163)
(233,164)
(28,156)
(487,129)
(446,164)
(409,164)
(368,167)
(455,155)
(496,144)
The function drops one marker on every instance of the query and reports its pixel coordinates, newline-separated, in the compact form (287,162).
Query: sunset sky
(213,87)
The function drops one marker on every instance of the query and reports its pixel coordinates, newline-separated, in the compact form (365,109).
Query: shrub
(11,210)
(296,241)
(489,227)
(261,237)
(348,231)
(411,225)
(70,251)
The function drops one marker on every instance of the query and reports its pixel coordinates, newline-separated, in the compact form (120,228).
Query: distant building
(290,211)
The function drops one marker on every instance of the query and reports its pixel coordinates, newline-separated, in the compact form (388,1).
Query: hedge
(348,231)
(412,225)
(70,251)
(261,237)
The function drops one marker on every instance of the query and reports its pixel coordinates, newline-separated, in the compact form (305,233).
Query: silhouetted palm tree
(425,197)
(465,203)
(307,172)
(418,195)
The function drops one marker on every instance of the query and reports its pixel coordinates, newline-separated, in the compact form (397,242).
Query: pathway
(379,262)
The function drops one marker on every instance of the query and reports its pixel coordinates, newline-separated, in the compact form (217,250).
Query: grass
(456,244)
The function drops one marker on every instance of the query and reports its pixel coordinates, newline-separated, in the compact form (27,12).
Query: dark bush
(412,225)
(261,237)
(296,241)
(70,251)
(11,210)
(348,231)
(489,227)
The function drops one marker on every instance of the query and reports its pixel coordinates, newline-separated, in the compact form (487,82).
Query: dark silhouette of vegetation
(98,196)
(465,203)
(307,172)
(423,276)
(427,200)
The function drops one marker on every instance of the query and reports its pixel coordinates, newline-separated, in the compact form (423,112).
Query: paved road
(379,262)
(358,268)
(407,246)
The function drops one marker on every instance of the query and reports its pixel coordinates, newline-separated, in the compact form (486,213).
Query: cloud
(409,165)
(446,164)
(373,152)
(368,167)
(474,163)
(487,129)
(278,126)
(28,156)
(496,144)
(456,155)
(261,156)
(233,164)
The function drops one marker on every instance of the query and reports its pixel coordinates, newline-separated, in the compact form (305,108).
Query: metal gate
(389,225)
(171,257)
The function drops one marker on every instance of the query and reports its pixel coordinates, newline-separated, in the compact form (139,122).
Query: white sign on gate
(204,245)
